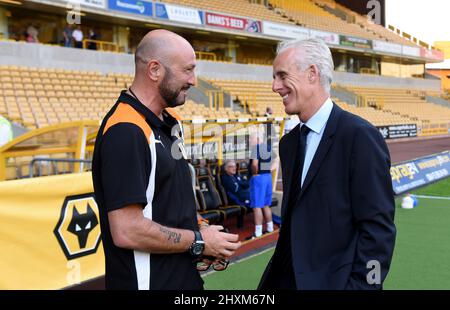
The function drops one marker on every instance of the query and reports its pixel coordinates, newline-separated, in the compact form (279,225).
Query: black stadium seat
(212,198)
(212,165)
(213,216)
(223,195)
(195,162)
(243,169)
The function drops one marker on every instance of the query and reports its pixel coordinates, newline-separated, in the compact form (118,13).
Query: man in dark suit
(338,206)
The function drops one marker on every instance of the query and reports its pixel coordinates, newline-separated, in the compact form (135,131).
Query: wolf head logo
(78,230)
(82,224)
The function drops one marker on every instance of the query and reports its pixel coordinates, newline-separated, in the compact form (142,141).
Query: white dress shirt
(317,124)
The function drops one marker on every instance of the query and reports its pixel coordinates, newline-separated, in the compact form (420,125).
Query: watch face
(198,249)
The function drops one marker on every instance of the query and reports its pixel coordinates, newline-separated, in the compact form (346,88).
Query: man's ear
(154,70)
(313,74)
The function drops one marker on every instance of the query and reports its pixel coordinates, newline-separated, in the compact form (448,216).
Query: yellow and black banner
(49,232)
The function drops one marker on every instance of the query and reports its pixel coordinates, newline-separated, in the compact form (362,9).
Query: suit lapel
(288,161)
(324,146)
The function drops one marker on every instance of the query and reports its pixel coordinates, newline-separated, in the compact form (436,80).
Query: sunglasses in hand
(205,262)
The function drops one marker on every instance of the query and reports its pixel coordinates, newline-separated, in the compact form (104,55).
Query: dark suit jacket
(241,191)
(344,216)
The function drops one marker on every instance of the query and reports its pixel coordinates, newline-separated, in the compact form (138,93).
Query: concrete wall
(213,70)
(46,56)
(228,71)
(39,55)
(353,79)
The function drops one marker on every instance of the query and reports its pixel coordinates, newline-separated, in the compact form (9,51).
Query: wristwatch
(197,247)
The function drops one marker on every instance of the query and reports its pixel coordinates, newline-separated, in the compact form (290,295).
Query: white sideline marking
(432,197)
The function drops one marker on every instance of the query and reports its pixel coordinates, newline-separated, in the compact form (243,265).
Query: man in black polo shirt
(142,180)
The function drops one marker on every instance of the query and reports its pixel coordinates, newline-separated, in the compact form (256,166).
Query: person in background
(236,187)
(92,36)
(261,183)
(32,34)
(67,33)
(77,36)
(6,133)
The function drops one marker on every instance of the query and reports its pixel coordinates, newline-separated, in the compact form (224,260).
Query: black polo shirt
(133,164)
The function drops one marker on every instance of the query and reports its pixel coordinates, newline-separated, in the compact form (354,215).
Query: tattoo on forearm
(176,237)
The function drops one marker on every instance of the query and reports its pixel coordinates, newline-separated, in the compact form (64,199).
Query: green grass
(421,256)
(422,250)
(441,188)
(244,275)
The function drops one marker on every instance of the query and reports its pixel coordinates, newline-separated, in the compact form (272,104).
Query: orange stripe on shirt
(125,113)
(173,113)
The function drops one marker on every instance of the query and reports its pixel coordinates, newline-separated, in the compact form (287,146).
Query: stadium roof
(440,65)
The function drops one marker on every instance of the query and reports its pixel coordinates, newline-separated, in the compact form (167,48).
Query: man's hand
(219,244)
(254,167)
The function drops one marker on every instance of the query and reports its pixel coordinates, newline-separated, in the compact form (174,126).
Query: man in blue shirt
(338,206)
(261,183)
(236,187)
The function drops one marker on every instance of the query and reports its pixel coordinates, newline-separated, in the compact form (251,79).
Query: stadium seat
(213,216)
(212,198)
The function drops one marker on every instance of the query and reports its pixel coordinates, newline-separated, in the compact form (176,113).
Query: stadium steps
(197,95)
(344,94)
(335,11)
(438,100)
(18,129)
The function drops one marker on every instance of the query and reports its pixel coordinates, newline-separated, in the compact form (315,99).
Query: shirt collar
(318,121)
(146,112)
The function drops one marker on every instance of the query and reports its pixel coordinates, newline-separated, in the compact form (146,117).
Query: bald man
(142,181)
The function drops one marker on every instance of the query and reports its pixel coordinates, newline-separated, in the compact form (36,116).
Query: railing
(72,138)
(361,101)
(367,101)
(411,38)
(215,96)
(368,71)
(54,166)
(248,101)
(101,45)
(205,56)
(257,61)
(215,99)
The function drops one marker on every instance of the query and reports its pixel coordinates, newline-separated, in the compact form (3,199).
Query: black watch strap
(197,247)
(198,236)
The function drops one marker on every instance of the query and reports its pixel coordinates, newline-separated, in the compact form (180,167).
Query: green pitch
(421,257)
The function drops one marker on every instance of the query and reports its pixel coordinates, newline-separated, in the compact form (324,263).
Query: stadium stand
(235,7)
(376,117)
(38,97)
(362,21)
(315,14)
(389,106)
(254,96)
(330,16)
(192,110)
(406,103)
